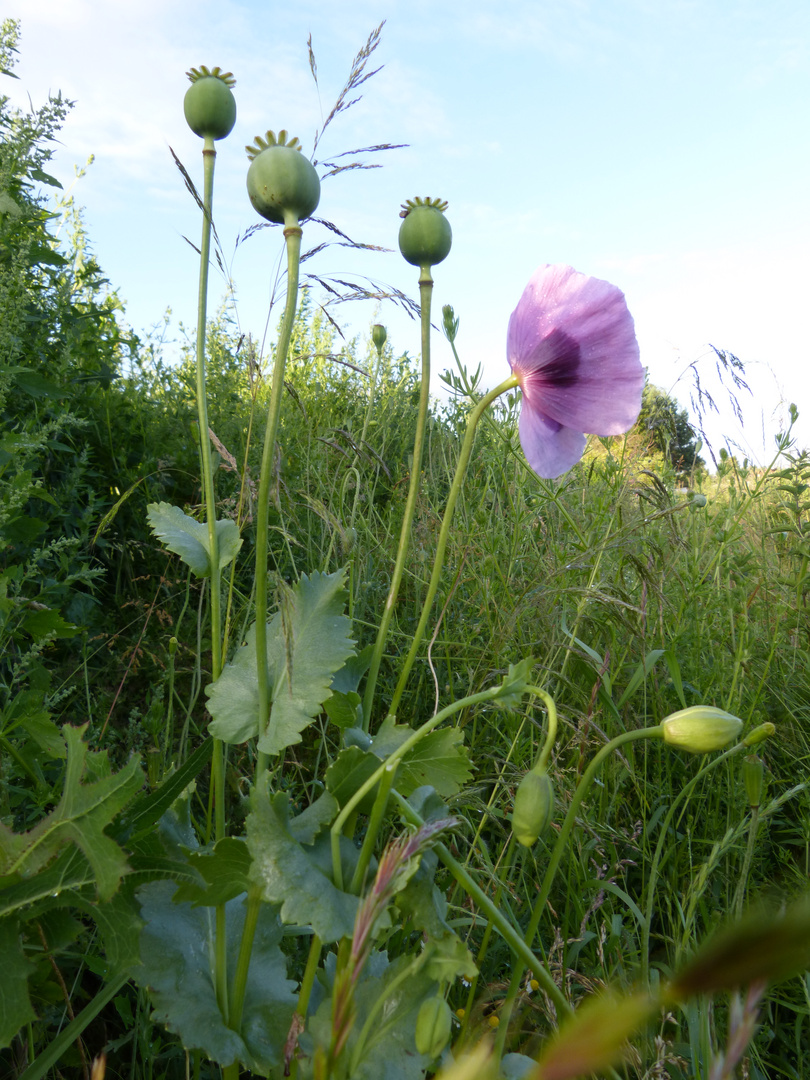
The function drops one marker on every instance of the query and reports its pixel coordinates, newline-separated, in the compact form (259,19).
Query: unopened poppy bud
(760,734)
(701,729)
(433,1025)
(534,807)
(754,780)
(379,335)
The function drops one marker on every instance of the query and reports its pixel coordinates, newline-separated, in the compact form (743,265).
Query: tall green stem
(217,761)
(444,532)
(425,295)
(292,234)
(556,856)
(209,160)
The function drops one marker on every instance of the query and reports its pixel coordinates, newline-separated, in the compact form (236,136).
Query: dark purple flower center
(561,369)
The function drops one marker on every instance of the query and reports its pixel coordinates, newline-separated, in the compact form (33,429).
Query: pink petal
(572,343)
(550,448)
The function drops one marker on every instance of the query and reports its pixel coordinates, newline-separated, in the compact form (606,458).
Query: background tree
(669,428)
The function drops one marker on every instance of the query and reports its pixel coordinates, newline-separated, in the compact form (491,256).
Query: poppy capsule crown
(209,104)
(425,236)
(282,184)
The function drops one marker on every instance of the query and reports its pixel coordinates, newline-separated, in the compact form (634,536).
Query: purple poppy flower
(572,346)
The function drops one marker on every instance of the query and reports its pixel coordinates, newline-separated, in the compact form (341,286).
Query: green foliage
(307,642)
(189,538)
(670,430)
(634,600)
(297,875)
(176,945)
(91,797)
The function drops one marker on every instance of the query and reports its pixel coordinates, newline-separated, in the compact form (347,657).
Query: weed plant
(348,899)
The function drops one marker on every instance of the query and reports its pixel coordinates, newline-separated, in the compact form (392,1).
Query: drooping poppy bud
(433,1026)
(534,807)
(701,729)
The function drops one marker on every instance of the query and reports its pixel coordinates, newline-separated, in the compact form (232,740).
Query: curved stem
(556,855)
(393,758)
(682,795)
(588,778)
(551,734)
(507,931)
(292,234)
(425,294)
(444,532)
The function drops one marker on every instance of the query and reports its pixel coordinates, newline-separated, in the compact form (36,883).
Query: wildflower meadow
(347,732)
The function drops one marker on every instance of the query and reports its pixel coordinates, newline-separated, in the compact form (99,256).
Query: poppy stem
(425,295)
(444,532)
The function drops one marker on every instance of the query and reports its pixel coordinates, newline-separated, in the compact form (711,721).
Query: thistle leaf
(91,798)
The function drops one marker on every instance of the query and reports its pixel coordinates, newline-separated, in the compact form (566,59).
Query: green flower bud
(534,807)
(754,779)
(425,235)
(701,729)
(450,323)
(379,335)
(433,1026)
(209,103)
(282,184)
(759,734)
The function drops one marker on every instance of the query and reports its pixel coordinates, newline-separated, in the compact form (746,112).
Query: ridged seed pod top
(282,184)
(209,104)
(425,236)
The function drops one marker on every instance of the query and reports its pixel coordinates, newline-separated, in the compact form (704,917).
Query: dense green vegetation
(634,587)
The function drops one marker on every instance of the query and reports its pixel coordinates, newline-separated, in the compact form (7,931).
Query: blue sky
(661,144)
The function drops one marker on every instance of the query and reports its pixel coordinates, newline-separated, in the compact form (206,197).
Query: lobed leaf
(189,538)
(91,798)
(307,642)
(177,950)
(297,877)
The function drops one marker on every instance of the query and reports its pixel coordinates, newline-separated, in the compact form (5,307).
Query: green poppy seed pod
(282,184)
(701,729)
(379,335)
(433,1026)
(172,646)
(760,734)
(534,807)
(754,780)
(209,104)
(425,236)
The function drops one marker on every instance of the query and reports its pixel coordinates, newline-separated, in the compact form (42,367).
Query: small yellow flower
(493,1021)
